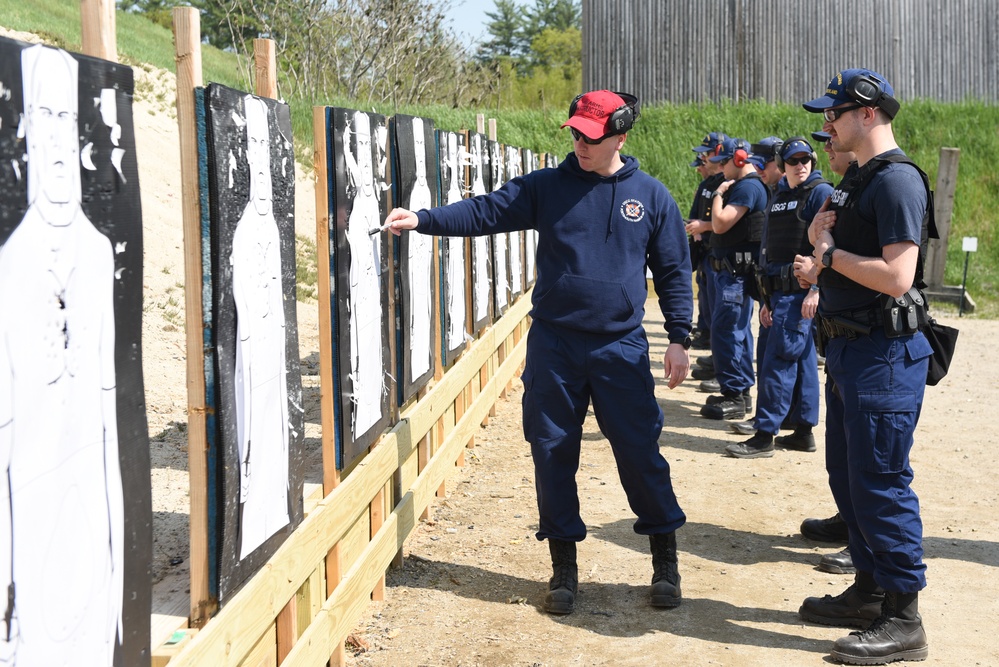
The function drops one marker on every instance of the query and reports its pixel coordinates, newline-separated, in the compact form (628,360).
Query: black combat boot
(856,607)
(761,445)
(802,439)
(665,573)
(562,587)
(897,634)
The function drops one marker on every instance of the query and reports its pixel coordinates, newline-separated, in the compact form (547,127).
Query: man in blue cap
(868,249)
(788,371)
(699,227)
(738,208)
(764,158)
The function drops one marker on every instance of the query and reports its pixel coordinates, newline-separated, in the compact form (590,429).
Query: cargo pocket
(891,421)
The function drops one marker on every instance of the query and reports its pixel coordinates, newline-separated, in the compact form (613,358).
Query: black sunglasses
(832,114)
(795,161)
(577,135)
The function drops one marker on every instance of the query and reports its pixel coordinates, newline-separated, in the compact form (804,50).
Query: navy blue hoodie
(596,235)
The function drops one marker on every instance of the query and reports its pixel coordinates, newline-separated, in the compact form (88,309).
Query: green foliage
(661,140)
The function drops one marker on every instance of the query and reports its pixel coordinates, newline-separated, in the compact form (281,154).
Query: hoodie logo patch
(633,210)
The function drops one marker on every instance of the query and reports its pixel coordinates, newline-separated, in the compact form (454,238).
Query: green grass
(661,140)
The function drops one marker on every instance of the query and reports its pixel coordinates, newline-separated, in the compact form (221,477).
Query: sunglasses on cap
(577,135)
(795,161)
(832,114)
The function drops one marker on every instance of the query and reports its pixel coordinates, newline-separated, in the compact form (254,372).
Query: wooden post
(331,476)
(943,200)
(265,68)
(97,29)
(480,123)
(187,41)
(265,85)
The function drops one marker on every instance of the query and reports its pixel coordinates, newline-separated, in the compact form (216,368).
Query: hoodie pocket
(585,302)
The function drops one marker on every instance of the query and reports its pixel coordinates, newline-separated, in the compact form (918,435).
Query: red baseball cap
(591,112)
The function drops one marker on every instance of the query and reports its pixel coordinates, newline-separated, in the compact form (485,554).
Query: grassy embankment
(662,140)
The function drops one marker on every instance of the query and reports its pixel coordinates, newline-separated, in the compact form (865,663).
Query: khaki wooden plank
(97,29)
(265,68)
(331,477)
(264,652)
(253,609)
(341,611)
(162,655)
(187,46)
(171,606)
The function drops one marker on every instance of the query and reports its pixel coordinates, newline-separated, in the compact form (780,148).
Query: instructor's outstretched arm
(400,219)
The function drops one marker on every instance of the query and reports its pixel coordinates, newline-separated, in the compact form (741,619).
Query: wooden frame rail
(244,632)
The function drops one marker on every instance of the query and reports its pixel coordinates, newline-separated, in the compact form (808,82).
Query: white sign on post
(969,244)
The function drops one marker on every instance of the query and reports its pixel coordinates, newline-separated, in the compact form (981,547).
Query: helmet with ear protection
(793,146)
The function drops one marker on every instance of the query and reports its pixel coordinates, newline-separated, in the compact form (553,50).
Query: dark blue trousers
(874,392)
(705,296)
(563,372)
(788,368)
(731,335)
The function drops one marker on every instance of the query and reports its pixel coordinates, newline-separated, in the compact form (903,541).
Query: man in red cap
(600,222)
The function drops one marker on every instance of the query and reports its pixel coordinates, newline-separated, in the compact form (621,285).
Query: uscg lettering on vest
(839,197)
(784,205)
(632,210)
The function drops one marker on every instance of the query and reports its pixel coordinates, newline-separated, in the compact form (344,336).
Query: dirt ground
(473,579)
(474,576)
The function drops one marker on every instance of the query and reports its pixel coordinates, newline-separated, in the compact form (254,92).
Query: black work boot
(801,439)
(562,587)
(840,562)
(832,529)
(665,573)
(897,634)
(761,445)
(855,607)
(732,406)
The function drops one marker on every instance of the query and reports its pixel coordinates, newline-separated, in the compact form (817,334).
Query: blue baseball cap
(710,142)
(821,137)
(729,147)
(758,161)
(696,162)
(795,146)
(863,86)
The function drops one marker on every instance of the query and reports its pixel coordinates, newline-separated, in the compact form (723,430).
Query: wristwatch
(827,256)
(685,341)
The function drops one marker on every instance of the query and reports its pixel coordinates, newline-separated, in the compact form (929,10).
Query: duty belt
(785,282)
(850,324)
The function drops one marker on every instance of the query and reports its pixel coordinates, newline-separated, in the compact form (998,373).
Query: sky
(468,18)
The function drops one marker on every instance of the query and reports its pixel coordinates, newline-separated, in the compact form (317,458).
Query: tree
(506,26)
(555,14)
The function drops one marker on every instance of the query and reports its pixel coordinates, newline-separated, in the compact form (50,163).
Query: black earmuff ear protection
(868,91)
(811,152)
(622,119)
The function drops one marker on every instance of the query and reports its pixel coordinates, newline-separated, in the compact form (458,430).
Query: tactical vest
(858,234)
(787,232)
(745,233)
(702,204)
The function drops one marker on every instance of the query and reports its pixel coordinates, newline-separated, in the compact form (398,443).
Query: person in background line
(600,222)
(764,159)
(868,245)
(699,229)
(788,368)
(833,529)
(738,208)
